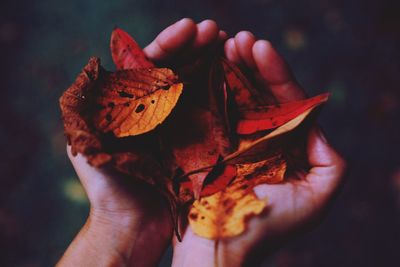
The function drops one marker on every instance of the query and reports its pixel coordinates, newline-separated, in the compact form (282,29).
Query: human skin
(129,222)
(295,204)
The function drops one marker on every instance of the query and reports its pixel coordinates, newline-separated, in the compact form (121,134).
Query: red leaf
(214,182)
(269,117)
(126,53)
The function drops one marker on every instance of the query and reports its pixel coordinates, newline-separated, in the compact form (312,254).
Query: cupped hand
(295,204)
(129,222)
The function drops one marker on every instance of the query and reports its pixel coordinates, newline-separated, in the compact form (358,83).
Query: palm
(292,204)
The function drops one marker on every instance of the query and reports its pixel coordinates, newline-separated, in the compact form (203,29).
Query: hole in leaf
(139,108)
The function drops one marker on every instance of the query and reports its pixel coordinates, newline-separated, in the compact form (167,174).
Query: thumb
(327,166)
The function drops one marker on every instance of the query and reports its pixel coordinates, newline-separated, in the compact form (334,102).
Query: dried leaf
(72,103)
(126,53)
(269,117)
(202,150)
(217,137)
(133,102)
(224,214)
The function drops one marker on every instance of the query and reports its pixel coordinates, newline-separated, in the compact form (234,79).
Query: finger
(276,73)
(244,41)
(328,166)
(207,33)
(205,41)
(222,36)
(231,52)
(171,40)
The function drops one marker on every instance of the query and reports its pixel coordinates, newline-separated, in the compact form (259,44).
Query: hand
(298,202)
(129,222)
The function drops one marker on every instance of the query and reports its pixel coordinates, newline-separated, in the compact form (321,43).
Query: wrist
(128,236)
(196,251)
(117,223)
(116,240)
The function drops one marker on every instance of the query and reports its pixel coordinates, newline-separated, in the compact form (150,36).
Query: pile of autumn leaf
(204,141)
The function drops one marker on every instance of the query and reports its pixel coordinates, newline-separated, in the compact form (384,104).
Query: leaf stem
(216,245)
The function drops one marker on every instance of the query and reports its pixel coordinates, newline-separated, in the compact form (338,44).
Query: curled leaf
(253,148)
(269,117)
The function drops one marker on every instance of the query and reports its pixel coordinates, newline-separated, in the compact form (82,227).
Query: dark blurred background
(349,48)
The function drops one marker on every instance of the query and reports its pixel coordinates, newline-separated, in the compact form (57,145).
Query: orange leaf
(126,53)
(133,102)
(269,117)
(131,157)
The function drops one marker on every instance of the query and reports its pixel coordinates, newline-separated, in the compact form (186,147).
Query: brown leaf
(202,150)
(73,106)
(268,171)
(246,96)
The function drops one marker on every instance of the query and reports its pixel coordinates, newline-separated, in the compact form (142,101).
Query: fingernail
(182,20)
(321,134)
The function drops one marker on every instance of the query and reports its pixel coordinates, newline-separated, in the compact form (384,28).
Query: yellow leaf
(224,214)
